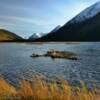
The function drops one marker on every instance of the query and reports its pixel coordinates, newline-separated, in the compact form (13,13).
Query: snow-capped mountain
(83,27)
(39,35)
(87,13)
(36,35)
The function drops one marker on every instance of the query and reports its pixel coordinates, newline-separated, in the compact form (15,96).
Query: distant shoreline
(51,42)
(31,42)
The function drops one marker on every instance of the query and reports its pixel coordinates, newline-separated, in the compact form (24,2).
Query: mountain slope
(56,29)
(5,35)
(83,27)
(87,13)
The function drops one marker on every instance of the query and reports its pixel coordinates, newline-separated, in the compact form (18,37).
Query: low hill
(6,35)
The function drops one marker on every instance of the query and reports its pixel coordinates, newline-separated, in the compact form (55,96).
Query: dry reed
(40,90)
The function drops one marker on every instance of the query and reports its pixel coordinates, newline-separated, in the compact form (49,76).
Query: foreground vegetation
(40,90)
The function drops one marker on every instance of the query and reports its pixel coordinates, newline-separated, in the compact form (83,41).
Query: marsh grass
(40,90)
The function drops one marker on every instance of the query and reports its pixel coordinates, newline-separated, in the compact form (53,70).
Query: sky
(26,17)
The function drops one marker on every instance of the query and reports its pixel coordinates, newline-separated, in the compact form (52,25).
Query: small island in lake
(58,54)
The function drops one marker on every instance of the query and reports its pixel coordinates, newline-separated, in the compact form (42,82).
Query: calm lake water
(16,63)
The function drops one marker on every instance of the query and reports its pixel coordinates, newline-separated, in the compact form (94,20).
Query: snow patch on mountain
(87,13)
(39,35)
(36,35)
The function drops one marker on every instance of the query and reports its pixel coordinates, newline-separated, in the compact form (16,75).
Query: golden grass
(40,90)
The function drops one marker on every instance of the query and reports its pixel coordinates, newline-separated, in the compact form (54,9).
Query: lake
(16,63)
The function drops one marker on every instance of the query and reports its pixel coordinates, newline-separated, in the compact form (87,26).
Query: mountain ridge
(84,30)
